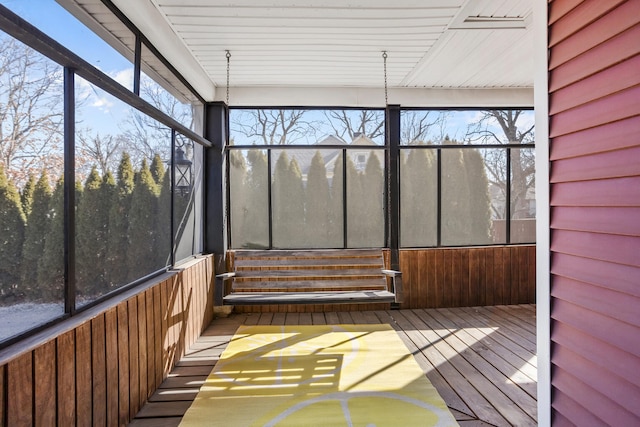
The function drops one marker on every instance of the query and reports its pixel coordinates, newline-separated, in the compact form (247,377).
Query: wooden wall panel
(101,370)
(66,383)
(594,92)
(455,277)
(44,384)
(84,405)
(112,369)
(20,391)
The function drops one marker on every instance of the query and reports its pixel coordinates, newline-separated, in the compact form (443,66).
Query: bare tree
(274,126)
(507,127)
(420,126)
(146,135)
(347,124)
(102,151)
(31,112)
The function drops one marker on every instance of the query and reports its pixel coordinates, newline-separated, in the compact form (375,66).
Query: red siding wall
(594,107)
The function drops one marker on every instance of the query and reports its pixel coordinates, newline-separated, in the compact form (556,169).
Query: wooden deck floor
(481,359)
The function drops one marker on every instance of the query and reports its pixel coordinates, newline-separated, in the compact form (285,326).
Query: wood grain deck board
(466,353)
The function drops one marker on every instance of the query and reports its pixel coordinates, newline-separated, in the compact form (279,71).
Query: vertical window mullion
(269,197)
(508,199)
(69,192)
(392,132)
(439,197)
(137,65)
(173,192)
(344,199)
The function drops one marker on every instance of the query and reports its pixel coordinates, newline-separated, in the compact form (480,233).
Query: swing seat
(352,276)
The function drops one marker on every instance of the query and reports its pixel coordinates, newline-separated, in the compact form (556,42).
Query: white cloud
(124,77)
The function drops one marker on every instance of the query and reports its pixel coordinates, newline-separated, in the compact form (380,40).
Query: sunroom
(160,158)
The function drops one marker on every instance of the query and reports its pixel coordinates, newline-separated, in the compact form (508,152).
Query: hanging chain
(386,95)
(228,55)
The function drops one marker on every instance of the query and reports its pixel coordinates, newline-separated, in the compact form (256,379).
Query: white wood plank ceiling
(335,46)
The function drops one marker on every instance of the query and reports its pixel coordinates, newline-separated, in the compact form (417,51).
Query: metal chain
(386,95)
(228,55)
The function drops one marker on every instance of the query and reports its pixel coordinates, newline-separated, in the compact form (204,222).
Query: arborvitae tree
(296,204)
(12,228)
(479,199)
(356,231)
(456,227)
(92,224)
(365,204)
(373,202)
(256,217)
(119,223)
(35,235)
(51,267)
(109,194)
(141,253)
(279,199)
(238,183)
(318,205)
(336,218)
(288,204)
(26,196)
(157,169)
(419,199)
(163,239)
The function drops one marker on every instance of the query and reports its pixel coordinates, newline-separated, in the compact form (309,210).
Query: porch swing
(318,276)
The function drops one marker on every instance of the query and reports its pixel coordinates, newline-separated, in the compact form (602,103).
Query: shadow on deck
(482,360)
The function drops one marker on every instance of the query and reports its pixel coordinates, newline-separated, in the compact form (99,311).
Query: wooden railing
(99,367)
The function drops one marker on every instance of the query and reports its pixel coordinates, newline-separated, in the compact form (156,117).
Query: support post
(216,131)
(69,192)
(393,182)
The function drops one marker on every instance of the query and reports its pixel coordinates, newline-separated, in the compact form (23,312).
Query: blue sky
(101,111)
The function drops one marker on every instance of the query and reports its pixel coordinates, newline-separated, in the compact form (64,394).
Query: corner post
(216,131)
(392,115)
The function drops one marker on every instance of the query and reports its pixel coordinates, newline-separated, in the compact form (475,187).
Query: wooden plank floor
(481,359)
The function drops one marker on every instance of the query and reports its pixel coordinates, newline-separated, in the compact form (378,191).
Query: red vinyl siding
(594,121)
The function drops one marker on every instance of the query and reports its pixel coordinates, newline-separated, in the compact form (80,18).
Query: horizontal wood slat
(606,247)
(616,305)
(558,9)
(610,192)
(606,27)
(321,283)
(576,415)
(612,220)
(614,79)
(600,353)
(316,274)
(621,278)
(617,106)
(612,164)
(578,17)
(455,277)
(609,137)
(605,55)
(305,297)
(603,328)
(625,392)
(101,371)
(606,411)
